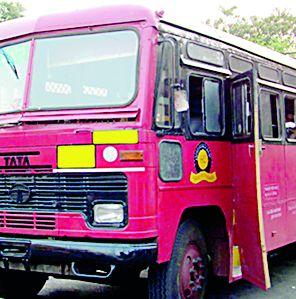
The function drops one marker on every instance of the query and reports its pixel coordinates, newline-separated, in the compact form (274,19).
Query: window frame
(175,69)
(210,77)
(80,32)
(27,75)
(290,96)
(279,114)
(244,135)
(261,75)
(214,49)
(285,81)
(243,59)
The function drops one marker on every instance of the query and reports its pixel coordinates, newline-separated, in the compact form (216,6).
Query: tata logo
(20,193)
(17,161)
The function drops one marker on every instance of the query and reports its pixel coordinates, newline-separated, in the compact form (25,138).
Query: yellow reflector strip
(116,137)
(76,156)
(236,257)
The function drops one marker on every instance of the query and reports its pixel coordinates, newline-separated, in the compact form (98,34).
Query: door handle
(261,147)
(251,148)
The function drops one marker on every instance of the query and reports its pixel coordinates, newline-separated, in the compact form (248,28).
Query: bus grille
(62,192)
(27,220)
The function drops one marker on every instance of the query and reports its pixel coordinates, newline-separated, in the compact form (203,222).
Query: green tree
(10,10)
(276,31)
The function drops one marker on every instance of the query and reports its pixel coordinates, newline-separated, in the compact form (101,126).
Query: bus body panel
(290,168)
(273,185)
(176,198)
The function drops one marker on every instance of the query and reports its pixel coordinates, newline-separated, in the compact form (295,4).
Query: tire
(16,285)
(186,275)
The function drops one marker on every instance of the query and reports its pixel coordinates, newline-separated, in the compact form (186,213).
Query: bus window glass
(268,73)
(241,103)
(170,159)
(269,115)
(205,54)
(13,72)
(212,106)
(289,79)
(100,72)
(290,118)
(196,104)
(238,110)
(204,105)
(239,65)
(163,118)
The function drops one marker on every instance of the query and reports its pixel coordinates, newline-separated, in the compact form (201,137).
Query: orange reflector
(131,155)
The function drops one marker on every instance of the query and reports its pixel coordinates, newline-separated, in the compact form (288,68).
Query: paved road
(283,273)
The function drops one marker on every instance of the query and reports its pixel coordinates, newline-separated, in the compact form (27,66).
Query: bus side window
(205,109)
(290,117)
(241,105)
(213,112)
(163,108)
(270,117)
(195,104)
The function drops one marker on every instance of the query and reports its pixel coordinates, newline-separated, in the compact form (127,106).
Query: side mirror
(180,98)
(180,101)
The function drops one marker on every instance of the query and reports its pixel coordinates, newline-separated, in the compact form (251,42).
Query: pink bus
(129,143)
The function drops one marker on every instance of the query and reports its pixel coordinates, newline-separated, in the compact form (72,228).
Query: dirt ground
(282,268)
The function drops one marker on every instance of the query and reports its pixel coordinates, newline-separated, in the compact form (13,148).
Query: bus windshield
(85,70)
(13,72)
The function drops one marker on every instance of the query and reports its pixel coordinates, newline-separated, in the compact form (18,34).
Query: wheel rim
(192,273)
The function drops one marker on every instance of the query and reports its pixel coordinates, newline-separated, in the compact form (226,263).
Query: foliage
(276,31)
(10,10)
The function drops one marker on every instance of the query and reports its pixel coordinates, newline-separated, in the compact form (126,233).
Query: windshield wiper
(12,124)
(10,62)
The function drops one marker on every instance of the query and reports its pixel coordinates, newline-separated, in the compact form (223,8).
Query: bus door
(248,219)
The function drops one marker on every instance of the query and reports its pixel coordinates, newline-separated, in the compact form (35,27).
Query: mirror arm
(179,85)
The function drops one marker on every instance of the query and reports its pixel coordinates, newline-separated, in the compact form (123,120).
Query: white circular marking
(110,154)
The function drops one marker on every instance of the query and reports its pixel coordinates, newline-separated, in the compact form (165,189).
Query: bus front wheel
(186,275)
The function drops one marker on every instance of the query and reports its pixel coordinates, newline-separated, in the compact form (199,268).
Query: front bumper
(65,258)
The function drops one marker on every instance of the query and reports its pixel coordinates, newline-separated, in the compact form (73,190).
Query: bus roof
(235,41)
(76,19)
(127,13)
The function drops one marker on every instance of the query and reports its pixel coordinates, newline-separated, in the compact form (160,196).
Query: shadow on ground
(283,275)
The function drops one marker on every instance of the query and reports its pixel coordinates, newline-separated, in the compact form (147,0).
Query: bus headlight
(108,213)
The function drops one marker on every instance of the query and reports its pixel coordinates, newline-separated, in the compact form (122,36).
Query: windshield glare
(90,70)
(13,71)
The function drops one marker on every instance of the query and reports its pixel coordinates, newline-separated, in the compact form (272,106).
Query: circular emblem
(202,158)
(20,193)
